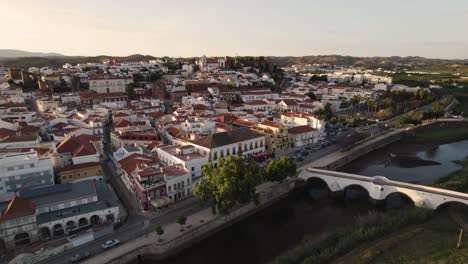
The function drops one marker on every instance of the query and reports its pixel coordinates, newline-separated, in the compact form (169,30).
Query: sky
(183,28)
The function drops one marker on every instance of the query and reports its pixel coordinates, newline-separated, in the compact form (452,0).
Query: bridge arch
(317,188)
(317,182)
(355,191)
(398,199)
(452,205)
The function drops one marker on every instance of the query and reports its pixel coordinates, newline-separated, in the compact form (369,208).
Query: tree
(328,111)
(131,91)
(311,95)
(232,182)
(315,77)
(154,76)
(279,170)
(181,221)
(159,231)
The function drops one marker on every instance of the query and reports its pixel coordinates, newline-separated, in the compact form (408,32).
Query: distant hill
(10,53)
(57,61)
(368,62)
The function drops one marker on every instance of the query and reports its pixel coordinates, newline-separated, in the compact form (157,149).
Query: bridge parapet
(379,188)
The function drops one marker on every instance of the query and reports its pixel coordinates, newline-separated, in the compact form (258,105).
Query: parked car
(110,243)
(305,153)
(299,159)
(80,256)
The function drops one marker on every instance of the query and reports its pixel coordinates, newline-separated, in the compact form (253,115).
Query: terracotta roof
(173,131)
(290,101)
(78,146)
(18,207)
(81,166)
(200,107)
(157,115)
(234,135)
(130,163)
(6,132)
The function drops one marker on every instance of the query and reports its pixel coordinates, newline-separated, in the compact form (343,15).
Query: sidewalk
(198,225)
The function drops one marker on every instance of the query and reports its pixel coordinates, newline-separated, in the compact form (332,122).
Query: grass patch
(456,181)
(435,244)
(365,229)
(442,132)
(367,253)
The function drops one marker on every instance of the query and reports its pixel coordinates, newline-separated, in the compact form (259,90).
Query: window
(188,181)
(11,168)
(193,168)
(169,188)
(31,165)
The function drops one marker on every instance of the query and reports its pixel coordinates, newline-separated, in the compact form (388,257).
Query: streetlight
(148,198)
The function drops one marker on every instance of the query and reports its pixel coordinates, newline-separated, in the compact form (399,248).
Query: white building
(232,141)
(108,84)
(24,170)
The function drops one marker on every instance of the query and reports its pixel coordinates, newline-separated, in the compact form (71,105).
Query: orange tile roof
(18,207)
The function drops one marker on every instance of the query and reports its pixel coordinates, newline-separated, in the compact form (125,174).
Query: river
(309,213)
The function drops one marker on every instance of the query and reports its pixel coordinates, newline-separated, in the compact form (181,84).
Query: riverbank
(440,133)
(366,228)
(431,242)
(403,242)
(456,181)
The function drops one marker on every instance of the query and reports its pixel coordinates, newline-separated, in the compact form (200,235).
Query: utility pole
(460,237)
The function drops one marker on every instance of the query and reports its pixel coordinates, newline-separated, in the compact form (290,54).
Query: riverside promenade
(339,158)
(198,226)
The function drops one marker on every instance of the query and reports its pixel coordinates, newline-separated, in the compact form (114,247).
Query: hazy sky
(430,28)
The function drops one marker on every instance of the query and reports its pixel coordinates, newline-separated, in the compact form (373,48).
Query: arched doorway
(58,230)
(95,220)
(44,232)
(82,222)
(71,226)
(2,245)
(397,200)
(22,239)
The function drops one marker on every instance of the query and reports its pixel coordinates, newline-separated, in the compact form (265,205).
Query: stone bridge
(379,188)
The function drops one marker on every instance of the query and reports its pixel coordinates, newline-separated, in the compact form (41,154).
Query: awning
(160,202)
(264,153)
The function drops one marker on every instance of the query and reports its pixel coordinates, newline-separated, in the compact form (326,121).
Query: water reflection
(407,162)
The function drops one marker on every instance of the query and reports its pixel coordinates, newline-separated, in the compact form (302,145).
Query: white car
(110,243)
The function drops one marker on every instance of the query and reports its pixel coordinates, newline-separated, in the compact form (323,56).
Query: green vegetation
(181,220)
(367,228)
(315,78)
(325,113)
(279,170)
(435,243)
(456,181)
(159,231)
(234,181)
(441,132)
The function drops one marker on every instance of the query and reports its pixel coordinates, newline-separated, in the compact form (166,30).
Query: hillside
(58,61)
(368,62)
(10,53)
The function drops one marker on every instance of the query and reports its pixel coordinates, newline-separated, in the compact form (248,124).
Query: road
(136,226)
